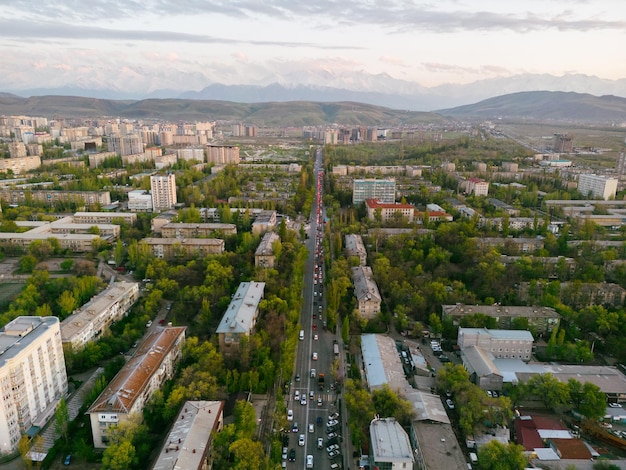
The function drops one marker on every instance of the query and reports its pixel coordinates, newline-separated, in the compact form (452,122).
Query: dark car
(292,455)
(319,420)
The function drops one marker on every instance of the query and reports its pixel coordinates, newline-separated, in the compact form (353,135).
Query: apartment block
(153,363)
(389,211)
(139,200)
(366,292)
(191,154)
(240,317)
(596,186)
(264,256)
(33,378)
(125,144)
(104,217)
(192,230)
(542,319)
(163,190)
(94,318)
(222,154)
(20,165)
(184,248)
(476,186)
(383,190)
(502,344)
(24,197)
(355,247)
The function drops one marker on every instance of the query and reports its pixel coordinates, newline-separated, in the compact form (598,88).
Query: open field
(8,291)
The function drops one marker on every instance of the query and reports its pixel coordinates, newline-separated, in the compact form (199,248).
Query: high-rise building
(621,164)
(562,143)
(128,144)
(33,378)
(382,190)
(597,186)
(163,191)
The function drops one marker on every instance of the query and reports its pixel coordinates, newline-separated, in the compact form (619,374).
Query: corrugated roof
(240,314)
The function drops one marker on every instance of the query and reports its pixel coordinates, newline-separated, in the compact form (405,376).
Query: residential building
(153,363)
(264,221)
(366,292)
(541,319)
(94,318)
(20,165)
(184,248)
(264,256)
(161,220)
(33,378)
(476,186)
(163,161)
(382,364)
(163,190)
(511,246)
(240,316)
(383,190)
(189,154)
(510,167)
(597,186)
(95,218)
(128,144)
(433,216)
(75,242)
(502,344)
(139,200)
(52,197)
(390,445)
(194,230)
(562,143)
(222,154)
(97,159)
(189,443)
(389,211)
(355,247)
(17,149)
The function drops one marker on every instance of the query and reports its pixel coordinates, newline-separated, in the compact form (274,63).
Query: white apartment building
(33,378)
(477,187)
(139,200)
(125,144)
(597,186)
(154,362)
(94,318)
(163,190)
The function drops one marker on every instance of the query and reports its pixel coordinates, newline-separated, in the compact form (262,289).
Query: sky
(142,45)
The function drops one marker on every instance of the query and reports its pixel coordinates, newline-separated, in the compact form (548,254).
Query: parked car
(311,427)
(68,459)
(301,440)
(332,422)
(320,442)
(292,455)
(450,404)
(303,400)
(289,415)
(333,454)
(149,324)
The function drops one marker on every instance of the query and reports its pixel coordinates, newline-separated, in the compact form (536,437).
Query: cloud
(397,61)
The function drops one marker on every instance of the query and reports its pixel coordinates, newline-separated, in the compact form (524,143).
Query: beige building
(192,230)
(163,190)
(139,200)
(104,217)
(33,378)
(94,318)
(597,186)
(20,165)
(355,247)
(388,212)
(97,159)
(223,154)
(75,242)
(366,292)
(153,363)
(263,222)
(501,344)
(264,256)
(189,443)
(184,248)
(51,197)
(240,317)
(476,186)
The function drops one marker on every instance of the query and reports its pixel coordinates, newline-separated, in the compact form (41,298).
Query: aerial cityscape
(313,236)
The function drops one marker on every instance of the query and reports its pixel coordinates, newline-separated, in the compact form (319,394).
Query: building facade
(184,248)
(388,212)
(366,292)
(597,186)
(355,247)
(390,445)
(191,230)
(264,256)
(163,190)
(223,154)
(33,378)
(382,190)
(502,344)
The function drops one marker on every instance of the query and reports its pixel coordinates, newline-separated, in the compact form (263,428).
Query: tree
(62,420)
(245,419)
(67,302)
(434,322)
(119,456)
(248,455)
(497,456)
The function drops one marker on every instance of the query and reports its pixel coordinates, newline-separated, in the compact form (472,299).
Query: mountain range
(535,105)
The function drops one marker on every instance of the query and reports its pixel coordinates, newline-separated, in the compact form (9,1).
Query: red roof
(374,204)
(571,448)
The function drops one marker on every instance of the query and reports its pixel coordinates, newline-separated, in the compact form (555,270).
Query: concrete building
(163,190)
(382,190)
(597,186)
(388,212)
(128,144)
(94,318)
(184,248)
(390,445)
(366,292)
(33,378)
(96,218)
(240,316)
(542,319)
(193,230)
(17,149)
(263,222)
(264,256)
(74,242)
(189,154)
(153,363)
(502,344)
(476,186)
(52,197)
(222,154)
(97,159)
(163,161)
(139,200)
(20,165)
(189,443)
(562,143)
(382,364)
(355,247)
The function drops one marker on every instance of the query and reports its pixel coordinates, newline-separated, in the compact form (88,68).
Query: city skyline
(140,46)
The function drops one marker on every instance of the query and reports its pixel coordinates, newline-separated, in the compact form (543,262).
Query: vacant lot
(8,291)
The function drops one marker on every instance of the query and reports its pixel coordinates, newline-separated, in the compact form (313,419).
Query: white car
(332,422)
(615,405)
(301,440)
(314,356)
(296,395)
(320,442)
(289,415)
(303,400)
(149,324)
(315,337)
(450,404)
(311,428)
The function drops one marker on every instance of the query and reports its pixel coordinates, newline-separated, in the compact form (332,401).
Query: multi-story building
(366,292)
(17,149)
(51,197)
(139,200)
(91,320)
(502,344)
(184,248)
(33,378)
(97,159)
(389,211)
(390,445)
(192,230)
(597,186)
(163,161)
(104,217)
(264,221)
(19,165)
(510,167)
(163,190)
(222,154)
(191,154)
(477,187)
(189,443)
(562,143)
(240,317)
(264,255)
(153,363)
(128,144)
(75,242)
(541,319)
(383,190)
(355,247)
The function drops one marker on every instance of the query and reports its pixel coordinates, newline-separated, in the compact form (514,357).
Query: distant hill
(545,106)
(295,113)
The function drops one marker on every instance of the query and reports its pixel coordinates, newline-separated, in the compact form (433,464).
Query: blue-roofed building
(382,362)
(240,316)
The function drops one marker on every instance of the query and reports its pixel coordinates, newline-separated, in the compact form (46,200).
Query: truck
(320,381)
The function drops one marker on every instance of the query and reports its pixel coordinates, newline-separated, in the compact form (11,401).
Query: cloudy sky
(187,44)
